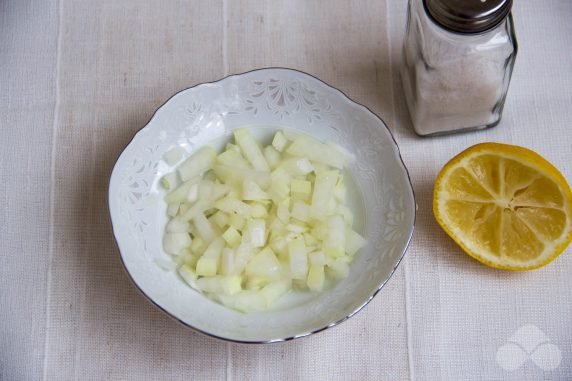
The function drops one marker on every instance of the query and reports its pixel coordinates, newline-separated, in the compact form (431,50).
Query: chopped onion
(323,192)
(272,156)
(253,223)
(314,150)
(195,165)
(279,142)
(264,265)
(173,156)
(316,278)
(251,150)
(173,243)
(252,191)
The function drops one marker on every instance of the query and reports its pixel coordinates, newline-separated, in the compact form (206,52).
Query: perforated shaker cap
(468,16)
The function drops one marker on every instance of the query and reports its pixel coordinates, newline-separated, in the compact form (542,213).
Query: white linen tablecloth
(79,78)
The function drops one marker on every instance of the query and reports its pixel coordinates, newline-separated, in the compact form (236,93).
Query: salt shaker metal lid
(468,16)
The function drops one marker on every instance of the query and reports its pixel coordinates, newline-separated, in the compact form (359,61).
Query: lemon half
(505,205)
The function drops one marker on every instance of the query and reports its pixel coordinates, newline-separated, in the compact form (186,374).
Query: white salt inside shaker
(455,80)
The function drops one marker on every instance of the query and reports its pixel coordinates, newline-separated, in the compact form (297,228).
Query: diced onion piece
(320,231)
(207,267)
(297,166)
(225,285)
(279,185)
(323,191)
(316,278)
(233,157)
(283,211)
(197,208)
(180,193)
(233,205)
(199,162)
(272,156)
(319,167)
(310,240)
(169,181)
(277,227)
(208,264)
(193,193)
(214,249)
(275,290)
(256,232)
(184,207)
(232,237)
(220,219)
(236,175)
(251,150)
(211,190)
(198,246)
(258,210)
(252,191)
(264,264)
(300,189)
(204,227)
(354,241)
(339,269)
(205,189)
(277,241)
(177,226)
(317,258)
(335,243)
(186,256)
(301,211)
(298,259)
(237,221)
(256,282)
(174,155)
(173,209)
(228,262)
(314,150)
(296,227)
(279,142)
(242,255)
(189,275)
(173,243)
(244,301)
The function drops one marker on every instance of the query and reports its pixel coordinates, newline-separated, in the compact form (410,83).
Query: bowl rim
(304,334)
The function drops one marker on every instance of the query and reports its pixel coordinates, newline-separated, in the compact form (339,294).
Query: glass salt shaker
(458,57)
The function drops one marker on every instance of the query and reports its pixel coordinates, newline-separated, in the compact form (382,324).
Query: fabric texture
(79,78)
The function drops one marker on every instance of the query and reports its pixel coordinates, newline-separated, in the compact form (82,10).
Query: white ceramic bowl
(264,100)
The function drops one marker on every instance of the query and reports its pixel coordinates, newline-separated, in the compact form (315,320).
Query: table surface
(79,78)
